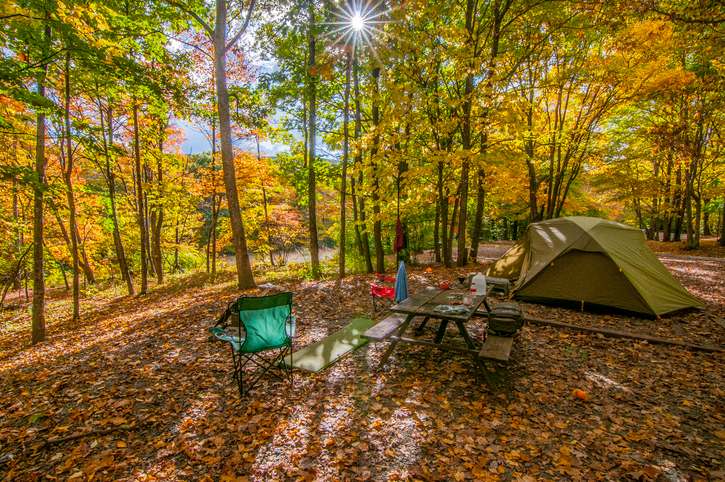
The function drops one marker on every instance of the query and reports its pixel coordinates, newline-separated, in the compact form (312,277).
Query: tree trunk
(706,220)
(355,219)
(343,176)
(84,263)
(68,178)
(365,242)
(692,241)
(443,203)
(478,219)
(679,204)
(265,206)
(454,218)
(39,186)
(216,205)
(245,278)
(377,222)
(698,217)
(529,151)
(141,213)
(462,257)
(312,133)
(216,201)
(111,182)
(722,225)
(18,236)
(159,210)
(436,232)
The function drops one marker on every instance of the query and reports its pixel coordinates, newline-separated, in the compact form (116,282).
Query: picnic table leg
(394,342)
(441,331)
(419,330)
(477,361)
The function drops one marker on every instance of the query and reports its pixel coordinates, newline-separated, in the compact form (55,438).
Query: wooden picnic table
(423,304)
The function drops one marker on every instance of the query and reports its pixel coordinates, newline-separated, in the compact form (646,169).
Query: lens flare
(357,22)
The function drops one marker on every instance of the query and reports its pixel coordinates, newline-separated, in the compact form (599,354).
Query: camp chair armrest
(221,334)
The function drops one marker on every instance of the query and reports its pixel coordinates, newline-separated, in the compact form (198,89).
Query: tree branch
(243,28)
(197,17)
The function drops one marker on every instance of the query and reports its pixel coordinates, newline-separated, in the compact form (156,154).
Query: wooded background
(466,120)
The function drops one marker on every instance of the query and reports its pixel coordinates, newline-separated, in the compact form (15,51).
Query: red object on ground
(378,291)
(383,278)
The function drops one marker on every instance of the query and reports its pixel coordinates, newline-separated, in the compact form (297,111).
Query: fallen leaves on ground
(137,391)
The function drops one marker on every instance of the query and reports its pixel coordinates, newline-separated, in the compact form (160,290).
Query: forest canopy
(457,122)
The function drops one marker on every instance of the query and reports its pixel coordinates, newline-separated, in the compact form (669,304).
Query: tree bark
(679,204)
(39,186)
(722,225)
(245,278)
(215,204)
(111,182)
(141,212)
(692,241)
(706,231)
(18,236)
(436,231)
(364,239)
(478,218)
(159,210)
(443,207)
(68,178)
(312,133)
(377,222)
(343,176)
(529,151)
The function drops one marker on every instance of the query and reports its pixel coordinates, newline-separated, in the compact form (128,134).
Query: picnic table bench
(393,328)
(385,328)
(496,348)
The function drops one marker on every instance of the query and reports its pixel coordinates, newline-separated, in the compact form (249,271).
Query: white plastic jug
(478,284)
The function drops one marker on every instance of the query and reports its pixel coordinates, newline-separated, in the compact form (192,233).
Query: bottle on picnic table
(478,285)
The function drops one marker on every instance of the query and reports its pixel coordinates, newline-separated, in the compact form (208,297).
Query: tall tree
(222,43)
(312,77)
(38,328)
(67,168)
(345,153)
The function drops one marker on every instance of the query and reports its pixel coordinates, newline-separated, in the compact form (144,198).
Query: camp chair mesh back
(260,324)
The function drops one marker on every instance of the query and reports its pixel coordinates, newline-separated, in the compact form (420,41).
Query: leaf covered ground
(136,391)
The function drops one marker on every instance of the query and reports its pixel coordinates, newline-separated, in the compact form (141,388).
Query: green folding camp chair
(259,324)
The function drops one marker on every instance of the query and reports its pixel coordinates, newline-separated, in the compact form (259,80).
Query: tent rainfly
(593,261)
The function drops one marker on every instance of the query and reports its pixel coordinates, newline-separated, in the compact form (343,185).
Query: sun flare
(357,22)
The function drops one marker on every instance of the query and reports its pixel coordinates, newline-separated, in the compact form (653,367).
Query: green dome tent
(591,260)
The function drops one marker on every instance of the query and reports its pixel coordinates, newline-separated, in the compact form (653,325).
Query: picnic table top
(424,303)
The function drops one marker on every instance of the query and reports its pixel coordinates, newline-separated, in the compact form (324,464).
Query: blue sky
(195,142)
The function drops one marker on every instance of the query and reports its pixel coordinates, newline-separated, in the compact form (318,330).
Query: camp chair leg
(264,366)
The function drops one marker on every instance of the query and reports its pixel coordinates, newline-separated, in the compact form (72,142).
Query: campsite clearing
(135,391)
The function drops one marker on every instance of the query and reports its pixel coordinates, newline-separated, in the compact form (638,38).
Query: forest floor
(136,391)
